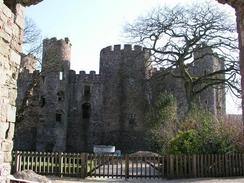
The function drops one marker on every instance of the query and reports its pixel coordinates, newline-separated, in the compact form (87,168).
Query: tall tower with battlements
(52,125)
(213,98)
(124,95)
(86,126)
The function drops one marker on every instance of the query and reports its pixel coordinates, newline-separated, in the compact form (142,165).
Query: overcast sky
(94,24)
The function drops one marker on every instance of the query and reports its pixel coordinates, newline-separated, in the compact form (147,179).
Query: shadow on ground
(100,180)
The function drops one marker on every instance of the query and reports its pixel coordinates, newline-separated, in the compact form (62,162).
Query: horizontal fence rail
(59,164)
(128,166)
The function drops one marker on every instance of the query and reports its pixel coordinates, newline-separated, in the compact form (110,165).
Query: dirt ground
(103,180)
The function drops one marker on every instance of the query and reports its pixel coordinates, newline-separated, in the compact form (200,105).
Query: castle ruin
(72,112)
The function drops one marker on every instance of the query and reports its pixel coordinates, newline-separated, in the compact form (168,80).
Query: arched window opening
(86,110)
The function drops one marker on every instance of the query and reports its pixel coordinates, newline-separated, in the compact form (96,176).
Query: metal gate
(125,166)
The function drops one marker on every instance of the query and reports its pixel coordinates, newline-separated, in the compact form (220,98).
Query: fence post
(84,160)
(171,166)
(126,166)
(60,155)
(194,166)
(17,161)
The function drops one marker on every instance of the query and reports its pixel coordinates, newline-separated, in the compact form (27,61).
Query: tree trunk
(240,29)
(189,95)
(238,6)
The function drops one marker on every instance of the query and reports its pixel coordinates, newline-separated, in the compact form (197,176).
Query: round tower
(51,132)
(123,74)
(208,62)
(56,55)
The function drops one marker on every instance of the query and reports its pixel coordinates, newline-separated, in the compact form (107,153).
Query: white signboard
(103,149)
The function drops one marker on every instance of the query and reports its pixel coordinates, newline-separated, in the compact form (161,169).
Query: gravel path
(205,180)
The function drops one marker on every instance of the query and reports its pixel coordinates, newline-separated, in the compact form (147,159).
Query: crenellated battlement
(54,40)
(125,48)
(56,54)
(83,76)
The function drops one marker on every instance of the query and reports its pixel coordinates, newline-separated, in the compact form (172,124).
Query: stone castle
(72,112)
(11,21)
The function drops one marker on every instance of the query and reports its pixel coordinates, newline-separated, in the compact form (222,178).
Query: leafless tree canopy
(174,35)
(32,42)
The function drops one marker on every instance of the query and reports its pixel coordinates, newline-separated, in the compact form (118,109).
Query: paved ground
(205,180)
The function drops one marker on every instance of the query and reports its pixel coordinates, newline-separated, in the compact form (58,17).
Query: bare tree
(174,35)
(32,41)
(32,44)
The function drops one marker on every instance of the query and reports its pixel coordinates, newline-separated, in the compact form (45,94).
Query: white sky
(94,24)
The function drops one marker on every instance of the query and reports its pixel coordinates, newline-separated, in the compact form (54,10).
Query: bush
(202,132)
(185,142)
(162,123)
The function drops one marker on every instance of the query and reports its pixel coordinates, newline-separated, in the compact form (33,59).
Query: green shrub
(185,142)
(202,132)
(162,122)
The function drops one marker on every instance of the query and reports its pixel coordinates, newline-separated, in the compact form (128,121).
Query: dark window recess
(132,119)
(43,79)
(58,117)
(60,95)
(206,101)
(42,101)
(86,110)
(87,91)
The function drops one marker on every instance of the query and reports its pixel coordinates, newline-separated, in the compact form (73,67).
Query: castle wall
(124,96)
(76,111)
(212,98)
(52,126)
(27,103)
(85,127)
(11,34)
(167,83)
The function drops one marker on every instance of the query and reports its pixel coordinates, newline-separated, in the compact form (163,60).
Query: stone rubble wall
(11,35)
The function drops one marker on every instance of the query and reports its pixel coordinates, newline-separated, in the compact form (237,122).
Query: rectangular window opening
(58,117)
(42,101)
(87,90)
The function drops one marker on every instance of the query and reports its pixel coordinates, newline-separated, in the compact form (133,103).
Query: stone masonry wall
(124,96)
(11,34)
(51,130)
(27,104)
(85,124)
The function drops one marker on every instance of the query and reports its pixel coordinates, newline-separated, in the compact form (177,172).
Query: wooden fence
(169,166)
(58,164)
